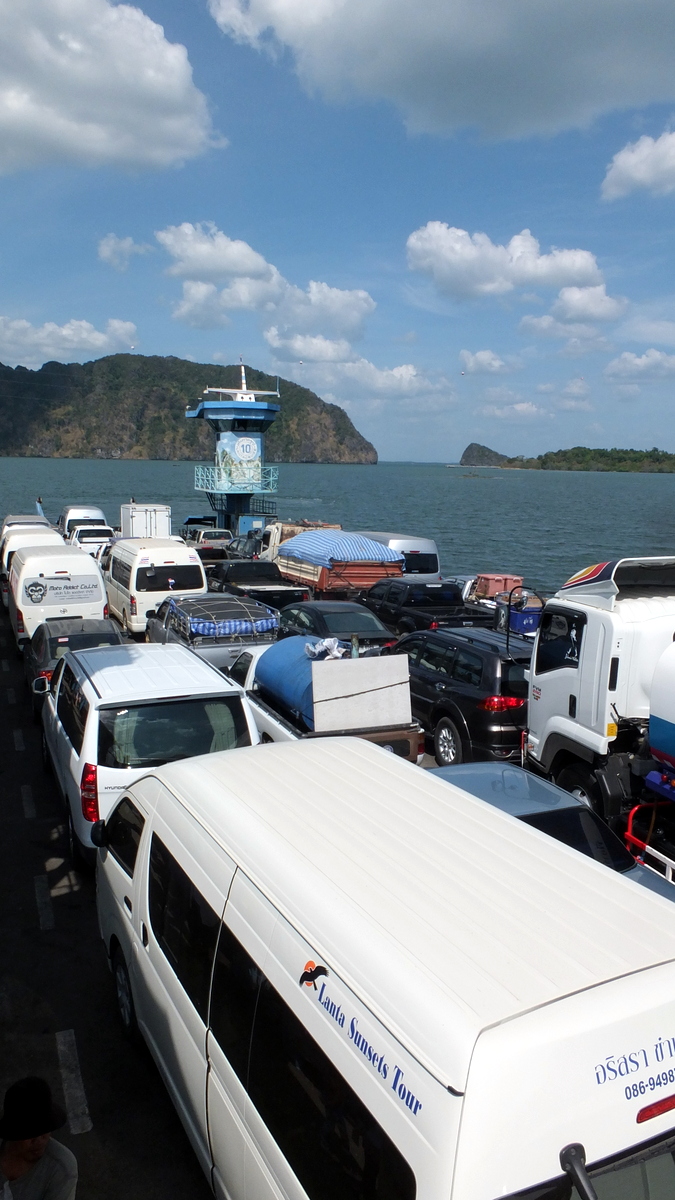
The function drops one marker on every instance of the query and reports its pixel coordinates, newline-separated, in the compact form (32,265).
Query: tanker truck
(604,643)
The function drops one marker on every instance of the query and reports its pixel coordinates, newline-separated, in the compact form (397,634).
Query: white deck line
(74,1094)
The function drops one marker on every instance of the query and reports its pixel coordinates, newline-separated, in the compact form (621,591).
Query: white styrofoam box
(361,693)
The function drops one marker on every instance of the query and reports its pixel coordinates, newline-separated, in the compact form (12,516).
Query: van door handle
(127,904)
(144,934)
(572,706)
(441,687)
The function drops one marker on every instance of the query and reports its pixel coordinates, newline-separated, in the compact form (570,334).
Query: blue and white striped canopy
(323,547)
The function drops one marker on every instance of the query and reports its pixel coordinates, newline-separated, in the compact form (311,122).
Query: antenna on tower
(243,374)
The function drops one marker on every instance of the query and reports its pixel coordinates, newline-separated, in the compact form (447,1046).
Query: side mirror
(40,685)
(99,835)
(150,612)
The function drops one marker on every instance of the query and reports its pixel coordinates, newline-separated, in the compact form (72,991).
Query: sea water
(544,525)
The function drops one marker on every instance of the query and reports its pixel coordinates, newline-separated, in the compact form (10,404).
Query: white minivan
(358,981)
(15,538)
(53,581)
(113,712)
(142,572)
(420,555)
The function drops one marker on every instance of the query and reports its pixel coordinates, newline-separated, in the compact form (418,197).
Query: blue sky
(340,192)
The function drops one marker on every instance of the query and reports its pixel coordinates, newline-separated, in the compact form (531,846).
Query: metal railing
(241,477)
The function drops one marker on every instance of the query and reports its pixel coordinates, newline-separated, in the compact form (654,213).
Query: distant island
(133,406)
(579,458)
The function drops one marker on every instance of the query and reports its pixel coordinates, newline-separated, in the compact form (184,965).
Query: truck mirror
(40,685)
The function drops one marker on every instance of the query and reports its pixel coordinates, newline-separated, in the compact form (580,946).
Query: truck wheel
(447,743)
(580,781)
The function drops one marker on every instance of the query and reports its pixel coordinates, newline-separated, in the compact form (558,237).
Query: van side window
(121,572)
(123,829)
(329,1138)
(559,643)
(72,709)
(185,926)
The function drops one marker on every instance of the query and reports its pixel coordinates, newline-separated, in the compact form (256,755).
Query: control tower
(240,487)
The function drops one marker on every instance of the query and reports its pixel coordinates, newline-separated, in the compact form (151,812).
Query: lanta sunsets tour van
(359,981)
(53,581)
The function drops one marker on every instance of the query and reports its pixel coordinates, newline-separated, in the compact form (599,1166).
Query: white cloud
(308,347)
(32,345)
(545,388)
(646,329)
(94,83)
(627,391)
(575,405)
(204,252)
(548,327)
(117,251)
(648,163)
(204,255)
(513,69)
(482,362)
(467,265)
(523,410)
(653,364)
(576,387)
(588,304)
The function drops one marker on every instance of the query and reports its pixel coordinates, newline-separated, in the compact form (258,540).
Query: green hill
(579,458)
(133,406)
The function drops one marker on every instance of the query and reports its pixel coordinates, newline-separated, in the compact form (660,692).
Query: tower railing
(238,478)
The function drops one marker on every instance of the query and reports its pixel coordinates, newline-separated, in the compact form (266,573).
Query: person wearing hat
(33,1166)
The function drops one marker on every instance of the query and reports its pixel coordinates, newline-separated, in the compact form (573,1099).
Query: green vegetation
(132,406)
(579,458)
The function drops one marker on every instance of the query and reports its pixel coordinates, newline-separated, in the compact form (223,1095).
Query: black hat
(29,1110)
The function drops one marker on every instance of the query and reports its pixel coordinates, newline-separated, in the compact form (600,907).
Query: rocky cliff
(133,406)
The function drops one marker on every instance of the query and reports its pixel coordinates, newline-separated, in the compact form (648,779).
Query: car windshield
(421,564)
(514,682)
(147,735)
(217,535)
(352,621)
(429,596)
(168,579)
(80,641)
(583,830)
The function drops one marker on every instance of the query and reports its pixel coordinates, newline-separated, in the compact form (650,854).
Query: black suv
(468,692)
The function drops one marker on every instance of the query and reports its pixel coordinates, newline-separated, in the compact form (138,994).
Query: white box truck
(145,520)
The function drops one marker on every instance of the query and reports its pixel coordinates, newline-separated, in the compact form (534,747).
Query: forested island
(579,458)
(133,406)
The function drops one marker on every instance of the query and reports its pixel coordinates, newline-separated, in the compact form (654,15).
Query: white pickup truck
(367,698)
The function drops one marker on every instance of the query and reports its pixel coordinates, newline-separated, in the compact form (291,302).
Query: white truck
(601,639)
(145,520)
(294,697)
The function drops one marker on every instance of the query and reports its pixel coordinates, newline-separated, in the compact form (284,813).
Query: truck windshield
(169,579)
(583,830)
(645,1173)
(147,735)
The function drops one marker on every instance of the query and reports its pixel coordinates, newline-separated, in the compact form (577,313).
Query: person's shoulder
(62,1158)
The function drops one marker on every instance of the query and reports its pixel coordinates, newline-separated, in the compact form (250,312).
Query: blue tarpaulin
(207,624)
(323,547)
(285,671)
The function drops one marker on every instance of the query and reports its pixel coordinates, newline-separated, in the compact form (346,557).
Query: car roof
(137,545)
(486,639)
(145,672)
(508,787)
(43,555)
(445,915)
(64,626)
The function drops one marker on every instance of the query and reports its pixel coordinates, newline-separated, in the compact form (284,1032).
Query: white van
(420,554)
(141,573)
(79,514)
(360,981)
(26,519)
(16,539)
(53,581)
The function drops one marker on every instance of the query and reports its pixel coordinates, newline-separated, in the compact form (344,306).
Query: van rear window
(148,735)
(169,579)
(421,564)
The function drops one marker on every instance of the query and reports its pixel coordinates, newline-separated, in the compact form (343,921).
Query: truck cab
(597,647)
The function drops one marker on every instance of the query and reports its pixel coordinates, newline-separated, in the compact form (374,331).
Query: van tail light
(501,703)
(655,1109)
(106,612)
(89,793)
(20,627)
(386,645)
(133,607)
(45,675)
